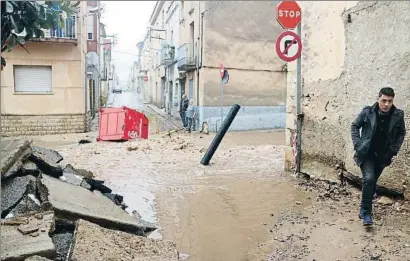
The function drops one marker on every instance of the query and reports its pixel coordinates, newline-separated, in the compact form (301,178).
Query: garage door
(35,79)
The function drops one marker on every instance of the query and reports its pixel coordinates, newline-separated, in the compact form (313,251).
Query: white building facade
(173,91)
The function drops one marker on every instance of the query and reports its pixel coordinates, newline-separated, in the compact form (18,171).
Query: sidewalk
(175,120)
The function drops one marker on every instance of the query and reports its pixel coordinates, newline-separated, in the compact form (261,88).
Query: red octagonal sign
(288,14)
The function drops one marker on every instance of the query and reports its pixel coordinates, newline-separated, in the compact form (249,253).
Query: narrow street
(314,99)
(241,207)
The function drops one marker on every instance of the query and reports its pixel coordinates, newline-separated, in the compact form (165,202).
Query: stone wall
(13,125)
(351,50)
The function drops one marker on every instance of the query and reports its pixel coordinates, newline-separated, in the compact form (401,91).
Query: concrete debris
(29,203)
(72,179)
(11,152)
(98,185)
(37,258)
(117,199)
(51,154)
(144,147)
(13,190)
(46,163)
(16,168)
(30,168)
(115,245)
(62,242)
(385,201)
(92,206)
(78,172)
(18,244)
(28,229)
(83,141)
(42,203)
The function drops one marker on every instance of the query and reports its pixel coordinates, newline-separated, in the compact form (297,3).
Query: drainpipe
(85,96)
(201,28)
(202,37)
(197,51)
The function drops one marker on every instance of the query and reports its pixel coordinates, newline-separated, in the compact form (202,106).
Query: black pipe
(220,134)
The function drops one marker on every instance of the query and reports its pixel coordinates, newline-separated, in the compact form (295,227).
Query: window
(90,27)
(32,79)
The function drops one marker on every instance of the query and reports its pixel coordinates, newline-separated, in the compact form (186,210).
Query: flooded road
(200,208)
(226,219)
(242,207)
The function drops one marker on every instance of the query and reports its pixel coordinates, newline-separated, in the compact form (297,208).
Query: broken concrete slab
(150,226)
(62,242)
(16,246)
(98,185)
(79,172)
(72,179)
(46,164)
(13,190)
(117,199)
(49,153)
(117,245)
(30,168)
(37,258)
(22,208)
(11,151)
(73,202)
(28,228)
(28,204)
(15,169)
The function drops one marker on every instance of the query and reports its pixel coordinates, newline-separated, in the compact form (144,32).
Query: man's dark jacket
(183,106)
(367,120)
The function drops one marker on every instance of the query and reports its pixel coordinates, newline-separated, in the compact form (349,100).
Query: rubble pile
(55,212)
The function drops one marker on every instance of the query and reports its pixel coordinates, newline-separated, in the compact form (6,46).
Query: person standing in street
(377,134)
(183,106)
(190,116)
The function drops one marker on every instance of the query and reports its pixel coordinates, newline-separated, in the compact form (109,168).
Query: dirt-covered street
(243,206)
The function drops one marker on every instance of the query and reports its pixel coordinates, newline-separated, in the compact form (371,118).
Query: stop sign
(288,14)
(145,78)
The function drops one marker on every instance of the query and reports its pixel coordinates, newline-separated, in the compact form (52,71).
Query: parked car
(116,91)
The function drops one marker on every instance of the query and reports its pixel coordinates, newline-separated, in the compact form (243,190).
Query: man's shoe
(361,214)
(367,220)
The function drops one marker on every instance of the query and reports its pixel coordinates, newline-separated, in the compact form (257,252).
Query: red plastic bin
(122,124)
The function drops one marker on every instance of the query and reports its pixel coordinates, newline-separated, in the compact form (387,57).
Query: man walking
(377,134)
(183,106)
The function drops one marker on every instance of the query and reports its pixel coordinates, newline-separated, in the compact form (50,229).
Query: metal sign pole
(222,100)
(298,101)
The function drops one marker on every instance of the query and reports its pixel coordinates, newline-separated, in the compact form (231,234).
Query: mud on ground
(243,206)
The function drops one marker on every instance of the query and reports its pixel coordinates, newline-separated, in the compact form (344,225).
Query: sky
(129,20)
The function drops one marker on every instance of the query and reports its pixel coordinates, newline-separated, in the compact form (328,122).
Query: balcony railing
(167,55)
(186,58)
(67,30)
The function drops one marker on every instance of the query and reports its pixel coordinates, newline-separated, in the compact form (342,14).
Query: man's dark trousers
(371,168)
(182,114)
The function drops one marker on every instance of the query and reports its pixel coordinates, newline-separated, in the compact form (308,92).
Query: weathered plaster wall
(67,83)
(247,50)
(344,66)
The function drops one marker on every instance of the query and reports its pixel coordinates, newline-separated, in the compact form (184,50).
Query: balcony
(186,58)
(66,33)
(167,55)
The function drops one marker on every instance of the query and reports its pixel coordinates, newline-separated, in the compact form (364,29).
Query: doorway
(170,96)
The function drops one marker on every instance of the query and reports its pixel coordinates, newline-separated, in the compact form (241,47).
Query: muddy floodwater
(243,206)
(215,212)
(227,218)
